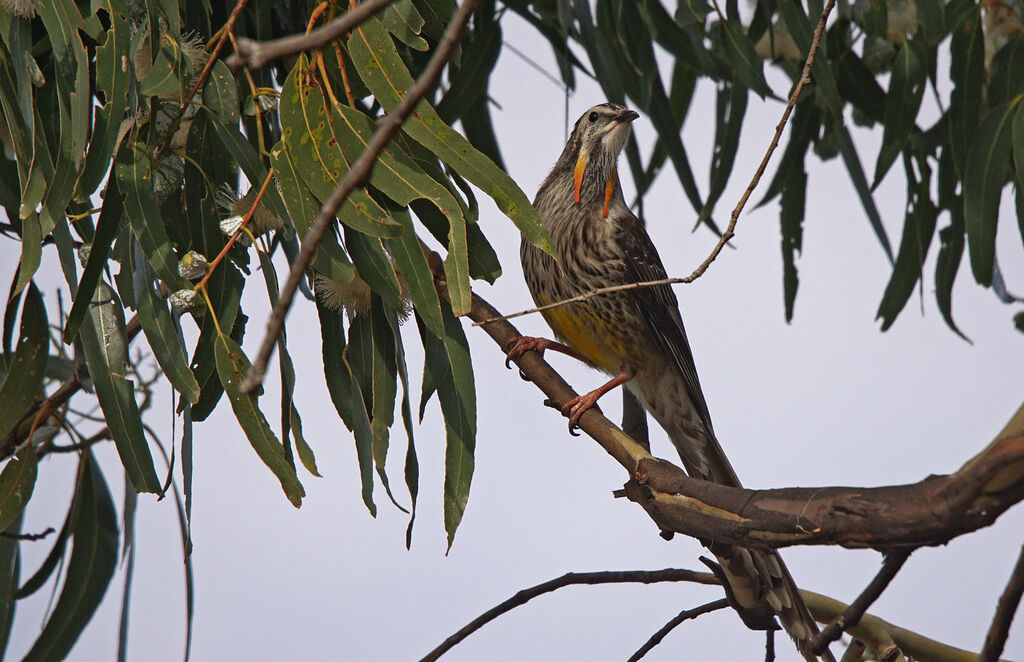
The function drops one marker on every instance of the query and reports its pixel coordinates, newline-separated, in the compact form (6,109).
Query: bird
(637,337)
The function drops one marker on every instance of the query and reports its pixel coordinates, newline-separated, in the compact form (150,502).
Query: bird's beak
(627,116)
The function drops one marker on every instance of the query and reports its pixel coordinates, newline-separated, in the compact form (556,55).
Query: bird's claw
(575,409)
(520,346)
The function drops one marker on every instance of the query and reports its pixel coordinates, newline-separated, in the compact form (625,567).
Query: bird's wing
(660,308)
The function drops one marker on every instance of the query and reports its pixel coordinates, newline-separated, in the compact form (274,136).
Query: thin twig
(256,54)
(729,233)
(852,614)
(356,176)
(569,579)
(238,231)
(676,621)
(995,640)
(31,537)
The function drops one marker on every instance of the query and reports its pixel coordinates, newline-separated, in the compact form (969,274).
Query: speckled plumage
(637,333)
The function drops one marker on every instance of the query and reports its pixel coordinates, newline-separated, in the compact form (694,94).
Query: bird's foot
(576,407)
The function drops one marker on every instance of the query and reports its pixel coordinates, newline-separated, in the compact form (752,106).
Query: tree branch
(931,512)
(356,177)
(255,54)
(675,622)
(569,579)
(1005,609)
(852,614)
(876,634)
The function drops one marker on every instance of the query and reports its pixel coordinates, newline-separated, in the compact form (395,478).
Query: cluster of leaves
(99,113)
(875,63)
(117,105)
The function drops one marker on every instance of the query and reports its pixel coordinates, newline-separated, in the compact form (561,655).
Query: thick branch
(358,175)
(931,512)
(256,54)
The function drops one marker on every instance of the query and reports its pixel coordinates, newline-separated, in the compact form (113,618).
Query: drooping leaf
(134,177)
(106,353)
(103,241)
(17,480)
(987,166)
(158,326)
(791,220)
(412,264)
(383,71)
(25,372)
(967,72)
(906,89)
(346,396)
(918,230)
(90,568)
(113,83)
(232,366)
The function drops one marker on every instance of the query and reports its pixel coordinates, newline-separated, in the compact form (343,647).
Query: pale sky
(826,400)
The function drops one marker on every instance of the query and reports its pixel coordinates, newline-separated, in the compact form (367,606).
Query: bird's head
(597,139)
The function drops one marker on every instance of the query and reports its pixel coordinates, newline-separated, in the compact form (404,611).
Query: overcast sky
(826,400)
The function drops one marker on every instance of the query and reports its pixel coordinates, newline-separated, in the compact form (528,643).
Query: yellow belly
(584,334)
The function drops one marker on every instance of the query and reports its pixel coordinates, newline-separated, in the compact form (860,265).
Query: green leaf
(747,66)
(10,571)
(689,12)
(731,107)
(134,178)
(967,71)
(16,484)
(384,372)
(158,326)
(383,71)
(918,230)
(114,84)
(103,240)
(402,20)
(469,83)
(906,89)
(987,165)
(329,259)
(399,178)
(308,133)
(931,16)
(73,100)
(860,184)
(25,372)
(346,396)
(375,267)
(1006,72)
(90,568)
(106,353)
(449,369)
(232,366)
(802,30)
(291,421)
(412,264)
(951,240)
(791,218)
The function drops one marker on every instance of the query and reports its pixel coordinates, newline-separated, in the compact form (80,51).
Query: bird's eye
(593,117)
